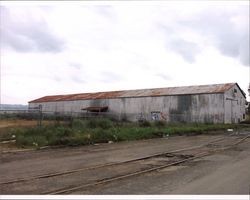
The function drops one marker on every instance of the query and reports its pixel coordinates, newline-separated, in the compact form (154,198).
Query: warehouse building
(217,103)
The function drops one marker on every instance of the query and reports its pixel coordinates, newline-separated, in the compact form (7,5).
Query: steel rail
(108,164)
(64,190)
(107,180)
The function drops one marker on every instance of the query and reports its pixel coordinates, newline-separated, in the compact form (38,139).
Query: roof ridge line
(179,90)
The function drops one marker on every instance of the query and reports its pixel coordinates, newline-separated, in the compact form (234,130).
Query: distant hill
(13,107)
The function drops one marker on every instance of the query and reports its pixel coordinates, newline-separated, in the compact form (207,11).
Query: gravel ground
(225,172)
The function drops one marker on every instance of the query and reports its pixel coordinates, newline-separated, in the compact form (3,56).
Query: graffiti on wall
(141,117)
(154,116)
(157,115)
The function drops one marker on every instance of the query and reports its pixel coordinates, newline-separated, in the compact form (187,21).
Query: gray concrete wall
(234,105)
(207,108)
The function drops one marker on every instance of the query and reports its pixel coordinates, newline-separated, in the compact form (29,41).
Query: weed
(78,124)
(81,132)
(101,135)
(160,123)
(99,123)
(145,123)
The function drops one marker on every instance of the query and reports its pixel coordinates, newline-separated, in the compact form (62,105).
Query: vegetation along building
(217,103)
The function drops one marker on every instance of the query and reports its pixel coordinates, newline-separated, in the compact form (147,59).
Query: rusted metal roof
(198,89)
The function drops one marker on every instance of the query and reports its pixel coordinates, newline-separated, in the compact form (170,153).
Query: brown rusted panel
(199,89)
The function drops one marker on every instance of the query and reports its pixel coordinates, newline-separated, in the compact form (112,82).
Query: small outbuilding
(217,103)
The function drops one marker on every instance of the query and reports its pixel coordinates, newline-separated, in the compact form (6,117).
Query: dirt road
(222,172)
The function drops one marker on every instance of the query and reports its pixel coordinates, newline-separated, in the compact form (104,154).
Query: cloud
(77,79)
(109,77)
(186,49)
(244,52)
(177,42)
(120,47)
(227,30)
(76,65)
(25,33)
(57,79)
(164,77)
(105,10)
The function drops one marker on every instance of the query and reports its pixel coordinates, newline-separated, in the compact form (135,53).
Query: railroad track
(173,158)
(181,159)
(67,172)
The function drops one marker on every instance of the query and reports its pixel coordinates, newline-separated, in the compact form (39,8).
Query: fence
(40,116)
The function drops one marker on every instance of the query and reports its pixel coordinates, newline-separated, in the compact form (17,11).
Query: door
(228,111)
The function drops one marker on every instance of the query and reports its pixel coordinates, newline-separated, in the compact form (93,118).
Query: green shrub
(136,133)
(22,140)
(78,124)
(105,123)
(39,141)
(63,131)
(82,132)
(99,123)
(79,140)
(36,141)
(102,135)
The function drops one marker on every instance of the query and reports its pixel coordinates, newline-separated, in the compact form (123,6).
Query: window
(244,116)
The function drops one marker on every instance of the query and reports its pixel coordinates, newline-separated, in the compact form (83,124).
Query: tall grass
(81,132)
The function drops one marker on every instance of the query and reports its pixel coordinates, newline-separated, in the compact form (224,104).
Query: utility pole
(40,117)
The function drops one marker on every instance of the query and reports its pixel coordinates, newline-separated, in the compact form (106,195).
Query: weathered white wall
(234,105)
(184,108)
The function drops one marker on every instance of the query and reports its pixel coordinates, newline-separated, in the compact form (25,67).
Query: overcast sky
(65,47)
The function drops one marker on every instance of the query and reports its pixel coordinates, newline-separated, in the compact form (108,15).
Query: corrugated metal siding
(184,108)
(200,89)
(234,105)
